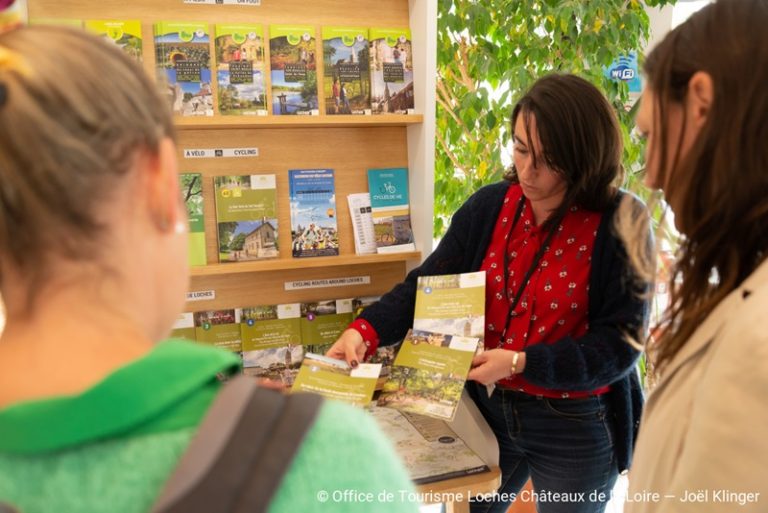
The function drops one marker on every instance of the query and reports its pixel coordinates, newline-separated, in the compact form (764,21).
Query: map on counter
(429,448)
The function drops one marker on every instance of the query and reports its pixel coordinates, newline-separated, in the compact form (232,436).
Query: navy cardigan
(601,357)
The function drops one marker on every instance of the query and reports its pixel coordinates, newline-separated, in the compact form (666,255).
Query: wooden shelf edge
(235,122)
(284,264)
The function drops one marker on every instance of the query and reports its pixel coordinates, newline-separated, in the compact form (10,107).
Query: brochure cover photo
(293,70)
(271,338)
(246,216)
(314,231)
(335,379)
(391,210)
(347,77)
(429,373)
(240,70)
(453,304)
(182,57)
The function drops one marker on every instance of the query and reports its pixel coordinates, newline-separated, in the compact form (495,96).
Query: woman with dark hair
(705,114)
(561,302)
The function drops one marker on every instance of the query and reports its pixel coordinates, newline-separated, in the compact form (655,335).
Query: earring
(180,228)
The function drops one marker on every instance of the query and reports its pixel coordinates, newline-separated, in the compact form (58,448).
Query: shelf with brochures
(341,121)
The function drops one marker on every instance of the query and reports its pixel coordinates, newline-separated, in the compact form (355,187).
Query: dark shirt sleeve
(619,307)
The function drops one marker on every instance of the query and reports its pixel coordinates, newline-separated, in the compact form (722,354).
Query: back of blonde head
(72,123)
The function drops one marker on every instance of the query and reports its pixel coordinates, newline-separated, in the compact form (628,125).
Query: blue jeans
(564,445)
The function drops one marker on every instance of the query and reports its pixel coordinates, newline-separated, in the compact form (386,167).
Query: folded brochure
(335,379)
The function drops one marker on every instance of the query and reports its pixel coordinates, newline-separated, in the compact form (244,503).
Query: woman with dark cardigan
(563,307)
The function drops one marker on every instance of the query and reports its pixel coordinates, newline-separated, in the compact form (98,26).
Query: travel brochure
(347,81)
(272,342)
(246,217)
(390,209)
(314,231)
(182,56)
(293,68)
(126,34)
(429,373)
(453,304)
(192,194)
(240,70)
(391,71)
(335,379)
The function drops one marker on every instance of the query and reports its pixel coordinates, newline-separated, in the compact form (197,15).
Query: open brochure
(335,379)
(429,374)
(429,448)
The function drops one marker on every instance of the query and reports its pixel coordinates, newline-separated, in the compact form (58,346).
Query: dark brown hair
(76,111)
(580,138)
(719,188)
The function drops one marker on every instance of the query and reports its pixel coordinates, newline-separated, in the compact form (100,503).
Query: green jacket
(111,448)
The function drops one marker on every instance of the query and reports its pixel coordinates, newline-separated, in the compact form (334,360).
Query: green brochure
(429,374)
(335,379)
(453,304)
(220,328)
(271,336)
(184,327)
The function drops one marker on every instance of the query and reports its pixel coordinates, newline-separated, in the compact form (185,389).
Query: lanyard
(528,274)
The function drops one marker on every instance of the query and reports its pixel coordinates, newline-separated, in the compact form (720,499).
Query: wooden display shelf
(282,264)
(321,121)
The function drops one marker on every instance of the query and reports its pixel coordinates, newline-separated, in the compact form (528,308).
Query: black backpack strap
(242,450)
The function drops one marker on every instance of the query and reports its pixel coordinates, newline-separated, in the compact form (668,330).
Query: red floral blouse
(554,302)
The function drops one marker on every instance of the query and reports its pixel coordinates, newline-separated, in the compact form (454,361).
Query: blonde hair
(74,113)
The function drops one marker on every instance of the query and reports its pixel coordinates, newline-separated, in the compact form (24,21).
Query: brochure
(453,304)
(192,194)
(293,70)
(271,337)
(429,373)
(219,328)
(335,379)
(246,215)
(362,223)
(323,321)
(126,34)
(390,209)
(314,231)
(347,77)
(240,70)
(391,71)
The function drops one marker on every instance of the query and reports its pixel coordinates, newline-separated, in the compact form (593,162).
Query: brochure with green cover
(293,70)
(429,374)
(184,327)
(347,75)
(391,71)
(192,193)
(335,379)
(240,70)
(220,328)
(126,34)
(183,62)
(453,304)
(246,217)
(271,336)
(323,321)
